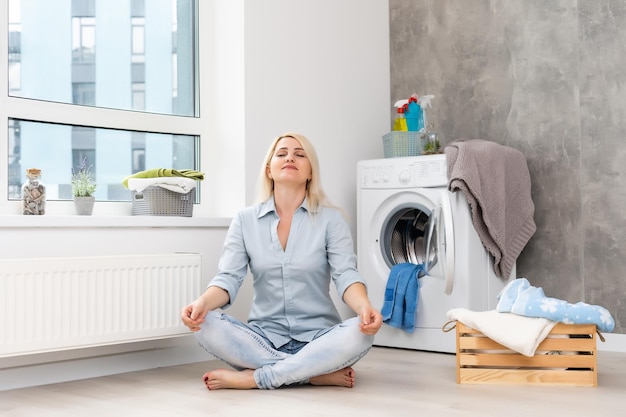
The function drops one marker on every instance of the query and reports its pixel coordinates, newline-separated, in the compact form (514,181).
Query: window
(101,79)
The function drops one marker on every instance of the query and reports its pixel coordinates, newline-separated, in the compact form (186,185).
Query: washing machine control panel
(407,172)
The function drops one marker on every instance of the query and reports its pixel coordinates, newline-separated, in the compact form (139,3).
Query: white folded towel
(519,333)
(180,185)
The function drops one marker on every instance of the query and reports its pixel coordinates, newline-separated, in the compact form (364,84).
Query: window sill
(69,221)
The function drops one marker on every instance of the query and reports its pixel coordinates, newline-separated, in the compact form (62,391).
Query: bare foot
(341,378)
(226,378)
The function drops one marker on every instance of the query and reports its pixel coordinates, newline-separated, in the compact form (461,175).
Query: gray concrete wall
(549,79)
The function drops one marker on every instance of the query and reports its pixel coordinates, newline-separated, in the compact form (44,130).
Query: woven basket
(157,201)
(398,144)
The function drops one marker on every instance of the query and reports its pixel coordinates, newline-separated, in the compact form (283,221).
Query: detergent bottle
(414,115)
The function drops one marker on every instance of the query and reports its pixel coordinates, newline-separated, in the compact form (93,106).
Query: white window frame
(70,114)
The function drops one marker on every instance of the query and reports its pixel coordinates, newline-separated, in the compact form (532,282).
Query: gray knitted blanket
(496,182)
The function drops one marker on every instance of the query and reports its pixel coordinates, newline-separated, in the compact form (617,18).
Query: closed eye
(283,154)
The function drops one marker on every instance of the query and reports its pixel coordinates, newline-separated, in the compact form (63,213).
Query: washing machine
(405,213)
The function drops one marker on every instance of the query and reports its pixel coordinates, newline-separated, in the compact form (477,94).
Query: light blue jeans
(235,343)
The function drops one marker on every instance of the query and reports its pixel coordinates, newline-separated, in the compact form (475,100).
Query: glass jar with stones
(33,193)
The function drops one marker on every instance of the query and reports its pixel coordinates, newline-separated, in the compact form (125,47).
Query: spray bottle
(424,103)
(399,124)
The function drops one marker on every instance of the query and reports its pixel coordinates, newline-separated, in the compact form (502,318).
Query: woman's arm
(342,261)
(356,298)
(223,288)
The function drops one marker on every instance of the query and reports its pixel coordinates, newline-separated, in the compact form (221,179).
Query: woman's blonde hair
(314,193)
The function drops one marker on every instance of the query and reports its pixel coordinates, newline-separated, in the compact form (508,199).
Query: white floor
(390,382)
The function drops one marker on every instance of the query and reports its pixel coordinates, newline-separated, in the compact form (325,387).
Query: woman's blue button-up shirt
(291,286)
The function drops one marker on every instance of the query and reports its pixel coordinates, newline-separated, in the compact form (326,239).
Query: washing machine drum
(408,235)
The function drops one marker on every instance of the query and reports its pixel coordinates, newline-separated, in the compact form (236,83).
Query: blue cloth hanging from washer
(401,296)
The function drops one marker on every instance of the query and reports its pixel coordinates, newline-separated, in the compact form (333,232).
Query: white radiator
(66,303)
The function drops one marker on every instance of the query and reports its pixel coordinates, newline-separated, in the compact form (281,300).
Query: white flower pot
(84,205)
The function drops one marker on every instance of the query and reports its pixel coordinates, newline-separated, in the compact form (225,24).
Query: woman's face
(290,163)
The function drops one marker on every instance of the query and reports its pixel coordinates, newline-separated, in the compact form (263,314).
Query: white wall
(318,67)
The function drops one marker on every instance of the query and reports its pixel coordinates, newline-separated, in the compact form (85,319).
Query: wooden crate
(567,356)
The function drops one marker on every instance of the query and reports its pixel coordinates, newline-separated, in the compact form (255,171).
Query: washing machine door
(399,232)
(403,232)
(440,256)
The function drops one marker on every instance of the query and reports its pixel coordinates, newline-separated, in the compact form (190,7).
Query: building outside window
(95,71)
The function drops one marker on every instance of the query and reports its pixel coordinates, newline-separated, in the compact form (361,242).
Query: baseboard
(613,343)
(64,368)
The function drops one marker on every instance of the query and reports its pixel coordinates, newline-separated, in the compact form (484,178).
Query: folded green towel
(166,172)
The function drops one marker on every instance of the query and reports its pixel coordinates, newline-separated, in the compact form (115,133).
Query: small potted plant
(83,187)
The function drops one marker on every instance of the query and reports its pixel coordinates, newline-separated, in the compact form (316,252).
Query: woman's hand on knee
(193,314)
(371,320)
